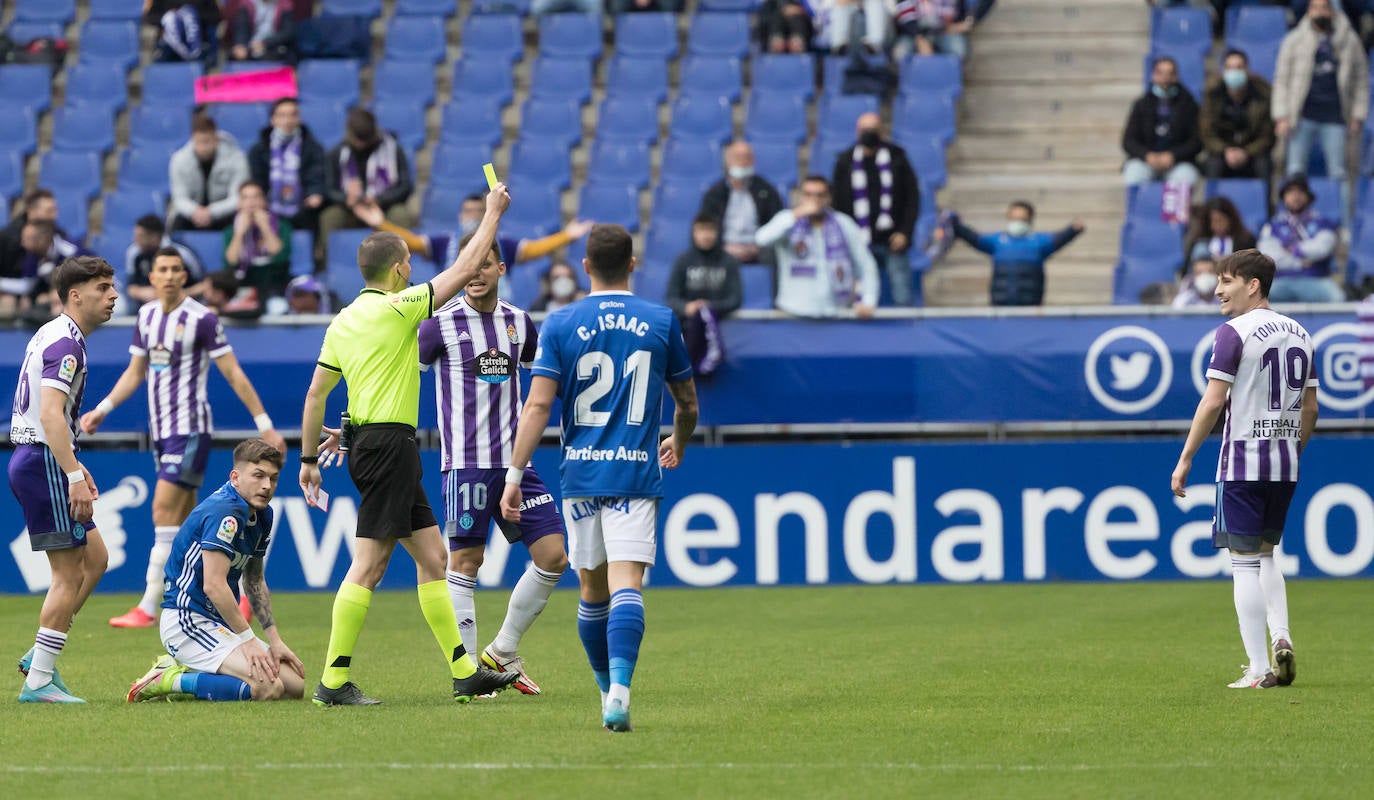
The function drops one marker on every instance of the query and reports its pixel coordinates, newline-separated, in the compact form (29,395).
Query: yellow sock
(438,611)
(350,609)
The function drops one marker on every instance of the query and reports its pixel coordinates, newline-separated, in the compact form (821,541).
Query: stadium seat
(426,8)
(677,198)
(644,78)
(61,12)
(729,6)
(776,118)
(351,8)
(145,168)
(333,81)
(302,253)
(832,73)
(341,266)
(1257,23)
(96,85)
(123,207)
(234,67)
(115,10)
(402,117)
(1250,196)
(209,247)
(483,78)
(1182,28)
(243,121)
(719,35)
(1153,239)
(18,134)
(937,74)
(561,79)
(927,157)
(521,282)
(823,153)
(501,7)
(111,244)
(23,32)
(651,282)
(620,161)
(666,238)
(931,116)
(837,114)
(555,123)
(702,117)
(758,286)
(459,168)
(171,85)
(689,160)
(1133,273)
(109,43)
(26,86)
(646,35)
(471,121)
(777,162)
(495,36)
(324,119)
(73,211)
(570,36)
(1328,193)
(396,82)
(539,162)
(1144,201)
(11,177)
(627,120)
(83,129)
(784,74)
(150,124)
(416,40)
(710,76)
(538,214)
(75,172)
(439,209)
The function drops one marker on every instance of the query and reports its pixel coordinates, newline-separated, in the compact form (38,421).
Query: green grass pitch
(1089,690)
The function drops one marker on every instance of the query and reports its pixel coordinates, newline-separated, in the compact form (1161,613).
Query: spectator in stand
(740,202)
(205,176)
(1199,287)
(824,267)
(1236,128)
(1217,231)
(1018,254)
(306,295)
(1321,91)
(150,235)
(558,287)
(263,30)
(591,8)
(1161,137)
(39,205)
(289,160)
(843,32)
(933,26)
(875,184)
(1302,243)
(369,166)
(704,286)
(31,289)
(221,288)
(258,247)
(785,26)
(188,30)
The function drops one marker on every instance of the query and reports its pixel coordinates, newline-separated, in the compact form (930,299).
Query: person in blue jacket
(1018,254)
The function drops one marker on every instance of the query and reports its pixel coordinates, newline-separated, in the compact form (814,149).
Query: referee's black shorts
(384,463)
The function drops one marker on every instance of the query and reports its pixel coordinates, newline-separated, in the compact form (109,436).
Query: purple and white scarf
(284,173)
(181,33)
(863,206)
(839,270)
(381,167)
(251,252)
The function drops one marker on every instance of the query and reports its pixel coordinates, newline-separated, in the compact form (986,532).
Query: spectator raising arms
(1018,255)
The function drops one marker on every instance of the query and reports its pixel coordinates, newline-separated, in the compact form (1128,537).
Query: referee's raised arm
(464,268)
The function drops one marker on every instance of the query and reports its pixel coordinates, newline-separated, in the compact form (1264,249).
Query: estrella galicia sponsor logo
(493,366)
(1128,369)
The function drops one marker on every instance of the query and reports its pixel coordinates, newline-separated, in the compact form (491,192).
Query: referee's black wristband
(310,459)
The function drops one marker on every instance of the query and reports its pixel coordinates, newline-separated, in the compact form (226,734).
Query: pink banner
(247,87)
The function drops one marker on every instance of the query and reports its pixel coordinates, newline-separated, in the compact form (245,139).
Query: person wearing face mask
(875,184)
(1161,137)
(1198,288)
(1302,243)
(1321,93)
(1236,128)
(289,161)
(1018,254)
(704,286)
(558,287)
(741,202)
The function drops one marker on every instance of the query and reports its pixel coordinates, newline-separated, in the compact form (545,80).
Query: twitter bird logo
(1130,371)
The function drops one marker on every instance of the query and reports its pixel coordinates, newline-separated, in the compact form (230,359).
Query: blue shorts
(40,486)
(472,501)
(1249,513)
(182,459)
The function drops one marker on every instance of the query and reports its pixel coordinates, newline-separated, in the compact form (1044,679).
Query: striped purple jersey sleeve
(1226,351)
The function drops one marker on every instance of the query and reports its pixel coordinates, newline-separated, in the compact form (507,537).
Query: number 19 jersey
(611,353)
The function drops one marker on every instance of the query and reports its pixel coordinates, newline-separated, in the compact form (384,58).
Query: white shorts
(196,641)
(602,529)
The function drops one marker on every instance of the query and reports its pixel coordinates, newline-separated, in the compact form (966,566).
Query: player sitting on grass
(214,654)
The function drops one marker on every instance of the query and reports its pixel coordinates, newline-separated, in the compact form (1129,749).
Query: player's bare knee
(267,690)
(467,561)
(551,562)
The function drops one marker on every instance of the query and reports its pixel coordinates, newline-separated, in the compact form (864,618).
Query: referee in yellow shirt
(373,344)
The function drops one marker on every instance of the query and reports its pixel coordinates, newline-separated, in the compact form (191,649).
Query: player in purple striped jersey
(1264,378)
(475,344)
(175,340)
(55,492)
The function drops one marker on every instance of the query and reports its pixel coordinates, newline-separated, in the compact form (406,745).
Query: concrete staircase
(1047,88)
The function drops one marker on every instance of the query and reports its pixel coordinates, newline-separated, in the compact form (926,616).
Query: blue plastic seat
(538,214)
(351,8)
(1182,28)
(207,245)
(646,35)
(96,85)
(1134,273)
(78,173)
(73,211)
(460,167)
(561,79)
(26,86)
(115,10)
(667,237)
(522,282)
(689,159)
(24,32)
(1146,238)
(341,264)
(927,157)
(401,117)
(325,119)
(426,8)
(712,76)
(1250,196)
(727,6)
(758,287)
(495,36)
(651,281)
(680,199)
(61,12)
(620,161)
(832,73)
(144,168)
(539,162)
(471,121)
(83,129)
(235,67)
(777,163)
(151,124)
(824,152)
(395,81)
(482,78)
(502,7)
(702,117)
(302,253)
(11,177)
(333,81)
(171,84)
(837,113)
(776,118)
(627,120)
(720,35)
(931,116)
(1328,192)
(644,78)
(416,40)
(18,134)
(123,207)
(553,123)
(938,74)
(1144,201)
(243,121)
(1247,22)
(109,43)
(111,244)
(570,36)
(784,74)
(439,209)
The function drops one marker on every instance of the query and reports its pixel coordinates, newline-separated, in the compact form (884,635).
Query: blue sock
(591,628)
(224,688)
(624,631)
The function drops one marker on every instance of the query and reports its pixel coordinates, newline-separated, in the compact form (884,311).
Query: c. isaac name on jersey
(613,322)
(597,454)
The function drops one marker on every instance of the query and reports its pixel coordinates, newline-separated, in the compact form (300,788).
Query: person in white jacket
(205,176)
(824,267)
